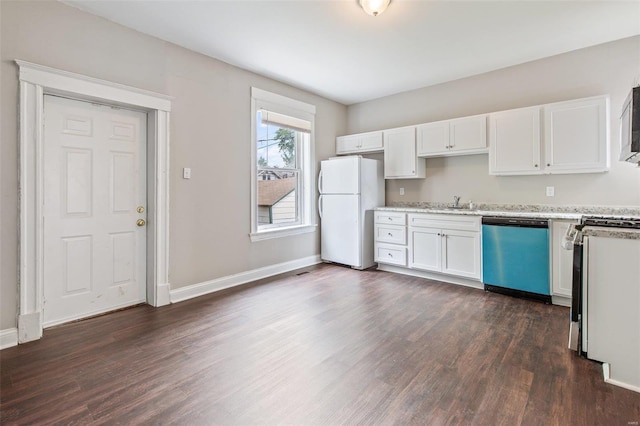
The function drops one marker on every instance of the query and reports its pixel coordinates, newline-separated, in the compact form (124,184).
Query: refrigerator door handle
(320,205)
(320,182)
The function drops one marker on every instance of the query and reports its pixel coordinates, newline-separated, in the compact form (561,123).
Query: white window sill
(282,232)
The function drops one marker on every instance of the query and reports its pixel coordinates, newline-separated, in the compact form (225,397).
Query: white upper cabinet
(400,158)
(461,136)
(359,143)
(514,142)
(576,138)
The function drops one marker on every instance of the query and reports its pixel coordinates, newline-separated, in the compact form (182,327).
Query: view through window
(283,189)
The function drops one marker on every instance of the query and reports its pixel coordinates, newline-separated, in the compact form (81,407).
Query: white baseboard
(200,289)
(467,282)
(561,301)
(29,327)
(8,338)
(606,372)
(163,296)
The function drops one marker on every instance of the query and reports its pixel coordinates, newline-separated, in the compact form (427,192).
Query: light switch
(401,191)
(551,191)
(186,173)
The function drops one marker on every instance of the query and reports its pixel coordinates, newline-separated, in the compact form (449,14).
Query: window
(282,188)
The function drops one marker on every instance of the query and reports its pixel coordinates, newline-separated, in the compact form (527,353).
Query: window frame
(261,99)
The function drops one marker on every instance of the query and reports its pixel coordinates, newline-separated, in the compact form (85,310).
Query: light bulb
(374,7)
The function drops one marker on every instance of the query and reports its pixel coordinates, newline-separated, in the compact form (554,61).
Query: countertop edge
(467,212)
(627,234)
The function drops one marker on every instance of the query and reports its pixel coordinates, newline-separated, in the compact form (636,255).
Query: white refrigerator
(350,188)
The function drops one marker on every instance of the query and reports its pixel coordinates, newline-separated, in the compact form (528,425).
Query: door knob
(140,209)
(140,222)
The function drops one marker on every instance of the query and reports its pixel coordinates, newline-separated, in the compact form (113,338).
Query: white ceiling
(332,48)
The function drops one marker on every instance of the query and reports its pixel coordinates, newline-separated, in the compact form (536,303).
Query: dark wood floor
(333,346)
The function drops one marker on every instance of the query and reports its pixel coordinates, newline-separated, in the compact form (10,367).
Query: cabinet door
(425,249)
(361,142)
(400,156)
(461,253)
(346,144)
(577,136)
(371,142)
(433,138)
(514,147)
(468,134)
(562,260)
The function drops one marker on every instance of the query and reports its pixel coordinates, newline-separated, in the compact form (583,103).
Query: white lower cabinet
(390,238)
(391,253)
(447,244)
(561,260)
(426,249)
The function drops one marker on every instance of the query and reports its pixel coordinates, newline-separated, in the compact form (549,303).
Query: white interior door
(94,185)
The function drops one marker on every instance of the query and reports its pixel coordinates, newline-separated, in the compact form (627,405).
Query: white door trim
(35,82)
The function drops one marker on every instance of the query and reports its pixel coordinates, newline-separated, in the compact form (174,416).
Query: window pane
(276,146)
(277,197)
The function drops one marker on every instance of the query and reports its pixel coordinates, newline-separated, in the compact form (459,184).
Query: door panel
(425,249)
(77,188)
(340,229)
(461,256)
(77,274)
(95,178)
(514,146)
(340,176)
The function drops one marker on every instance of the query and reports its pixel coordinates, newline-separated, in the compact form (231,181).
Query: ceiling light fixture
(374,7)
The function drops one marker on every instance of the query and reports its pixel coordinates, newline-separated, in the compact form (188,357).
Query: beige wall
(210,132)
(612,68)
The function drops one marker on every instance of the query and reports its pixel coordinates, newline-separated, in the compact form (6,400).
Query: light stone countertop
(626,234)
(517,210)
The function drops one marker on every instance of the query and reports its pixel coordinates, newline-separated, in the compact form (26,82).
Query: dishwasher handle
(522,222)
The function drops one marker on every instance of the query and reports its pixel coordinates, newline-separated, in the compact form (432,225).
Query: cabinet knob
(390,255)
(548,165)
(390,234)
(535,165)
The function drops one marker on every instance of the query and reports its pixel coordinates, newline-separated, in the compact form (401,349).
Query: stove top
(612,222)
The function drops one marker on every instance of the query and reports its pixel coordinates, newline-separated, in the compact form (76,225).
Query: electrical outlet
(551,191)
(401,191)
(186,173)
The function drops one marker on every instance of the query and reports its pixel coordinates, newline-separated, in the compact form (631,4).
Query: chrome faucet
(456,201)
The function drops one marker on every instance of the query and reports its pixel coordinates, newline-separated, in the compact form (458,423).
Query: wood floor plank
(333,346)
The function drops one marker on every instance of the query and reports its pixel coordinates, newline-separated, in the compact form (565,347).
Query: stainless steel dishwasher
(515,257)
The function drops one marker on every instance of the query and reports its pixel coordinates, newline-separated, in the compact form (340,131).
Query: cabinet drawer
(391,218)
(395,234)
(391,254)
(445,221)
